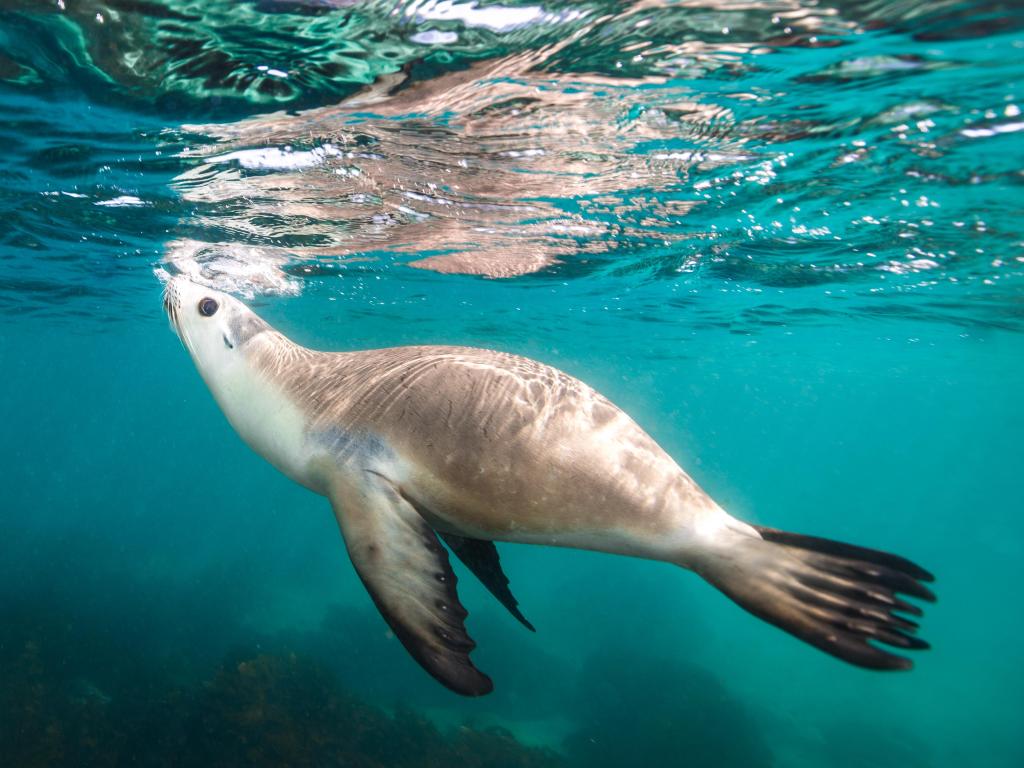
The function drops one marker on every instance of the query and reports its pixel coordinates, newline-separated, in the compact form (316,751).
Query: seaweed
(256,709)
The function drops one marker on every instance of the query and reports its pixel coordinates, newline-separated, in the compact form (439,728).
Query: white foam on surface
(497,18)
(992,130)
(122,201)
(279,158)
(242,270)
(434,37)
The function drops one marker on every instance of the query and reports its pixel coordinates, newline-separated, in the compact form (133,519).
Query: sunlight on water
(865,152)
(784,235)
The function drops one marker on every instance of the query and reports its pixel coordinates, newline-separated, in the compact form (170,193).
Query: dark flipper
(406,571)
(837,597)
(848,551)
(481,557)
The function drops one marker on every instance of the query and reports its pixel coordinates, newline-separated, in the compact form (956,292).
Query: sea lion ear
(244,325)
(406,571)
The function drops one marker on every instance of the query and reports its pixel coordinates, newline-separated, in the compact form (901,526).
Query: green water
(793,257)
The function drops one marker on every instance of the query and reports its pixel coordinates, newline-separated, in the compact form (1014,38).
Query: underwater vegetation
(106,672)
(254,709)
(83,688)
(79,690)
(109,669)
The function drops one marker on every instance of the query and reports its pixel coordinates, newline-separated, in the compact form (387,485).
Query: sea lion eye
(207,306)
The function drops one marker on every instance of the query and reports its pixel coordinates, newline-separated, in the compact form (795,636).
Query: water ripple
(860,151)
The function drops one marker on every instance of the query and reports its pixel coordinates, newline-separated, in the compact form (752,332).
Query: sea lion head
(215,327)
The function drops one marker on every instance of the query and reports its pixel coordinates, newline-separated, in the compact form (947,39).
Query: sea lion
(413,445)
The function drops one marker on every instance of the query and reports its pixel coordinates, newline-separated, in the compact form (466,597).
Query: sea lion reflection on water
(414,445)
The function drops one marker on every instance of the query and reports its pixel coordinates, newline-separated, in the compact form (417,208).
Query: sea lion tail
(838,597)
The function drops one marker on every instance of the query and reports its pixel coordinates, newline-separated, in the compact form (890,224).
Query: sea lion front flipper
(406,571)
(481,557)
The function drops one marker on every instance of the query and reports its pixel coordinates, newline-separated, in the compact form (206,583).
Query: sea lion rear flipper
(481,557)
(406,571)
(838,597)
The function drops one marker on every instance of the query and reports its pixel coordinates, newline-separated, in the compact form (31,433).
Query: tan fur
(502,447)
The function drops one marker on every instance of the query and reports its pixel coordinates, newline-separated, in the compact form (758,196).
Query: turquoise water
(783,236)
